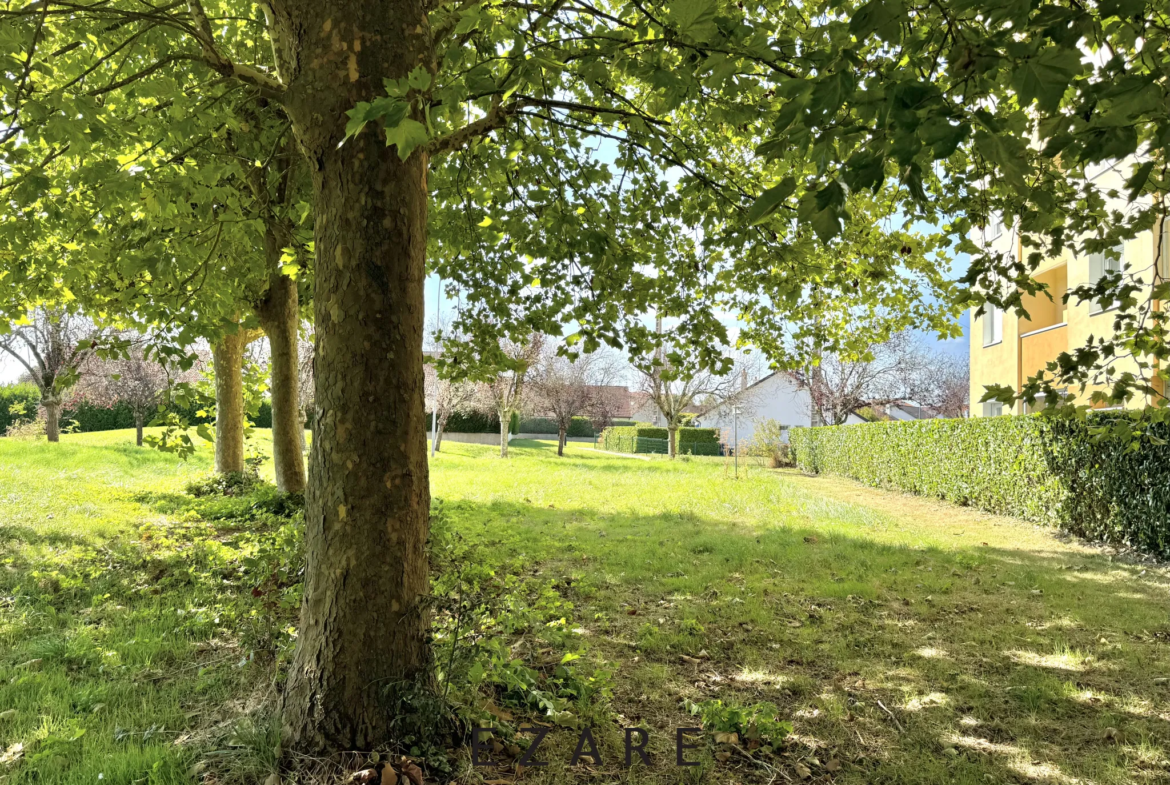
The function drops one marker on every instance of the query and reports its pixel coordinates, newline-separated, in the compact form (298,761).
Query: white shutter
(1096,267)
(988,329)
(1165,260)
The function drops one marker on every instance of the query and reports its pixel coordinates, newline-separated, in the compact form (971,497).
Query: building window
(1099,265)
(1041,400)
(994,226)
(992,408)
(992,325)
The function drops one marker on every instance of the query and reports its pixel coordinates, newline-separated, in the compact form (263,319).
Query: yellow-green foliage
(1061,472)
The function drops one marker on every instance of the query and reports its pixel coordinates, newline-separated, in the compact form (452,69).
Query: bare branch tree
(136,381)
(504,392)
(561,388)
(676,390)
(611,397)
(944,386)
(52,348)
(838,388)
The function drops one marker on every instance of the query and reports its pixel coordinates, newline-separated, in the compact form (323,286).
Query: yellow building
(1006,349)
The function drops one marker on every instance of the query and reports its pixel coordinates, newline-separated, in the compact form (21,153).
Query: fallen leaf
(12,754)
(30,664)
(632,612)
(364,776)
(727,738)
(499,713)
(802,771)
(703,655)
(273,779)
(811,540)
(833,765)
(689,660)
(1111,734)
(411,771)
(723,757)
(389,775)
(7,715)
(795,623)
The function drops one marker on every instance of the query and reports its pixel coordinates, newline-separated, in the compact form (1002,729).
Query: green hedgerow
(1089,477)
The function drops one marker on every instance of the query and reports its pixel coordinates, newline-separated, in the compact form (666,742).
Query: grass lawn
(143,631)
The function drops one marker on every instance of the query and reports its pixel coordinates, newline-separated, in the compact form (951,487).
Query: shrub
(89,418)
(18,403)
(475,422)
(650,439)
(579,426)
(768,444)
(1083,476)
(26,429)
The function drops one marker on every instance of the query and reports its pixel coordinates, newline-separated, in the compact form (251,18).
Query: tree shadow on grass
(910,664)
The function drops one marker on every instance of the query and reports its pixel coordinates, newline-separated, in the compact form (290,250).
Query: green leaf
(1137,182)
(770,200)
(1044,78)
(407,134)
(995,149)
(694,18)
(419,78)
(832,92)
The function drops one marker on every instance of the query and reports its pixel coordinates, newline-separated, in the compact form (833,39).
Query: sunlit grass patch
(887,629)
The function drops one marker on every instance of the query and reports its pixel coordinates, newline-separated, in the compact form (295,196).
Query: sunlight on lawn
(888,629)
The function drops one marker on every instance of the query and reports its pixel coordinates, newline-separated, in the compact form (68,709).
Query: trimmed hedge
(579,426)
(27,395)
(1045,470)
(650,439)
(475,422)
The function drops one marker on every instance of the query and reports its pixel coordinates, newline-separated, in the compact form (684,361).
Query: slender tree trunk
(138,419)
(505,426)
(302,416)
(362,638)
(279,315)
(561,436)
(672,445)
(228,357)
(52,418)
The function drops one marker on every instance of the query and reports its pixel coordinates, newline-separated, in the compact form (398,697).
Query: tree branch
(267,85)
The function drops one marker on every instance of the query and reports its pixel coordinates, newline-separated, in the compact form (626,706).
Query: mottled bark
(672,444)
(505,422)
(279,315)
(52,419)
(362,635)
(562,435)
(228,357)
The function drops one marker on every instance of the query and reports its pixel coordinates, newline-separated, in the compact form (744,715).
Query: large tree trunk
(228,357)
(562,435)
(362,639)
(279,315)
(672,444)
(138,420)
(52,418)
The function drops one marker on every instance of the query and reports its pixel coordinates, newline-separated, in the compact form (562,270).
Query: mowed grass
(907,641)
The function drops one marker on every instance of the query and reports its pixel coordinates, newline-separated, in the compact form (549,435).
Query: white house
(775,397)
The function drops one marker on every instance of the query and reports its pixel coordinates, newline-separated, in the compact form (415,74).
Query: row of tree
(203,172)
